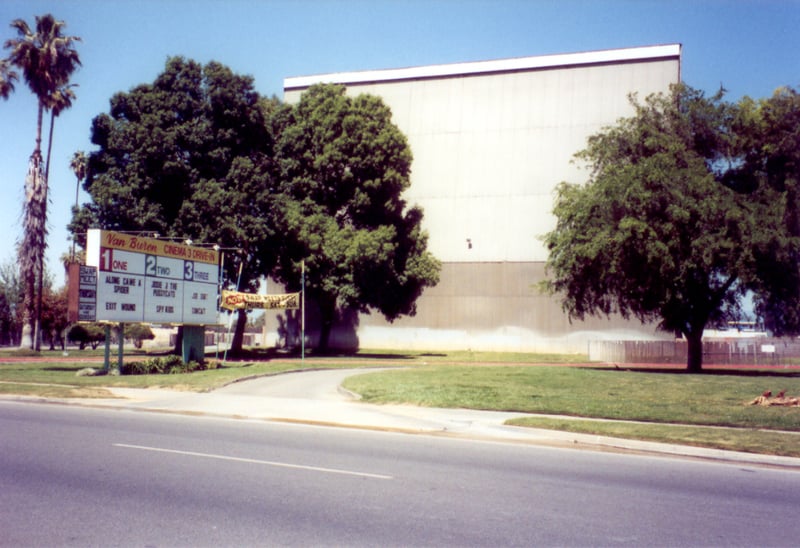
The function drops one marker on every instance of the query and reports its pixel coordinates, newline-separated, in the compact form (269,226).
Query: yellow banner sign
(233,300)
(151,246)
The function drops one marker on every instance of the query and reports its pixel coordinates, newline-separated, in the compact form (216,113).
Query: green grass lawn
(522,383)
(56,369)
(674,397)
(29,377)
(670,407)
(750,440)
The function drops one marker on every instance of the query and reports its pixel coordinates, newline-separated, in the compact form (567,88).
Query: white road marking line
(254,461)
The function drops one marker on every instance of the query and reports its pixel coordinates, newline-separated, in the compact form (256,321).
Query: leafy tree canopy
(87,333)
(768,147)
(138,333)
(653,234)
(192,156)
(187,157)
(7,78)
(343,166)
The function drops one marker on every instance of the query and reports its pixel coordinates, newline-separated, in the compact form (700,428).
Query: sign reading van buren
(154,281)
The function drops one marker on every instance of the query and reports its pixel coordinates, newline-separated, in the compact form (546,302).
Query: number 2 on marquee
(150,265)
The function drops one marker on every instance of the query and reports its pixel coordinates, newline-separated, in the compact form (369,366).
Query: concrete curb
(452,423)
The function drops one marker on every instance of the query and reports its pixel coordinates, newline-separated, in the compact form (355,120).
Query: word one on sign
(154,281)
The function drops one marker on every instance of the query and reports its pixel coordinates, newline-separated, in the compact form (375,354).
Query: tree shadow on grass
(351,354)
(267,354)
(246,354)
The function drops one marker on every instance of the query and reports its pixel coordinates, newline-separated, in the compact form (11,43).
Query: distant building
(491,140)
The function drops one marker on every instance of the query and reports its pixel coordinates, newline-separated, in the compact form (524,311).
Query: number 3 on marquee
(188,270)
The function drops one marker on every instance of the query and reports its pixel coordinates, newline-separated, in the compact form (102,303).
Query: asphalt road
(73,476)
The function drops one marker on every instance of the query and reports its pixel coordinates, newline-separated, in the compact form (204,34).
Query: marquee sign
(154,281)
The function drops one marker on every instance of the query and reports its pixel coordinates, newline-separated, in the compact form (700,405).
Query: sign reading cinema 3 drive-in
(154,281)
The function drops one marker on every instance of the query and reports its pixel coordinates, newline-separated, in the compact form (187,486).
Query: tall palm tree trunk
(46,58)
(37,337)
(32,246)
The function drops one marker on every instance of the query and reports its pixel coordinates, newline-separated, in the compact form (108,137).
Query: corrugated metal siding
(489,149)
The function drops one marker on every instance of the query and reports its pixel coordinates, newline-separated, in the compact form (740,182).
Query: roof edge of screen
(665,51)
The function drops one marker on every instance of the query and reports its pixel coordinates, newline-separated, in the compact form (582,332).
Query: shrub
(90,333)
(162,365)
(138,333)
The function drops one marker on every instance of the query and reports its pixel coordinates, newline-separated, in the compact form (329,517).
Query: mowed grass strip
(717,399)
(53,390)
(50,367)
(731,439)
(709,410)
(47,370)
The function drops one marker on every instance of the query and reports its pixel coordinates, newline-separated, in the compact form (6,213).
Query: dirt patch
(90,392)
(779,400)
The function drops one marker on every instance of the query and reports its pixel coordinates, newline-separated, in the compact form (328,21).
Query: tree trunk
(37,337)
(178,348)
(694,362)
(40,289)
(237,344)
(30,247)
(39,118)
(327,312)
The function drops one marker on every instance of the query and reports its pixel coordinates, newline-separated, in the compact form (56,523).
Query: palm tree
(7,78)
(59,101)
(79,166)
(47,59)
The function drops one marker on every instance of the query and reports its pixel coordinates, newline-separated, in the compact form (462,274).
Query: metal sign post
(107,353)
(303,311)
(121,348)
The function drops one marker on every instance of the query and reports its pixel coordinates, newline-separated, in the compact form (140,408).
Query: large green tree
(47,58)
(54,315)
(187,157)
(768,166)
(654,233)
(343,167)
(11,300)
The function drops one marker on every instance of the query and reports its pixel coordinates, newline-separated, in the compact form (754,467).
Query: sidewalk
(316,398)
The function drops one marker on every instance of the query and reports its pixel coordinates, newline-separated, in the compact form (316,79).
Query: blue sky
(749,46)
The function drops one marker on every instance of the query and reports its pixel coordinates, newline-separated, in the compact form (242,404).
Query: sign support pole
(303,311)
(107,353)
(220,283)
(121,347)
(230,320)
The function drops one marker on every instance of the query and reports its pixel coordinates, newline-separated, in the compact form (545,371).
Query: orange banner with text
(234,300)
